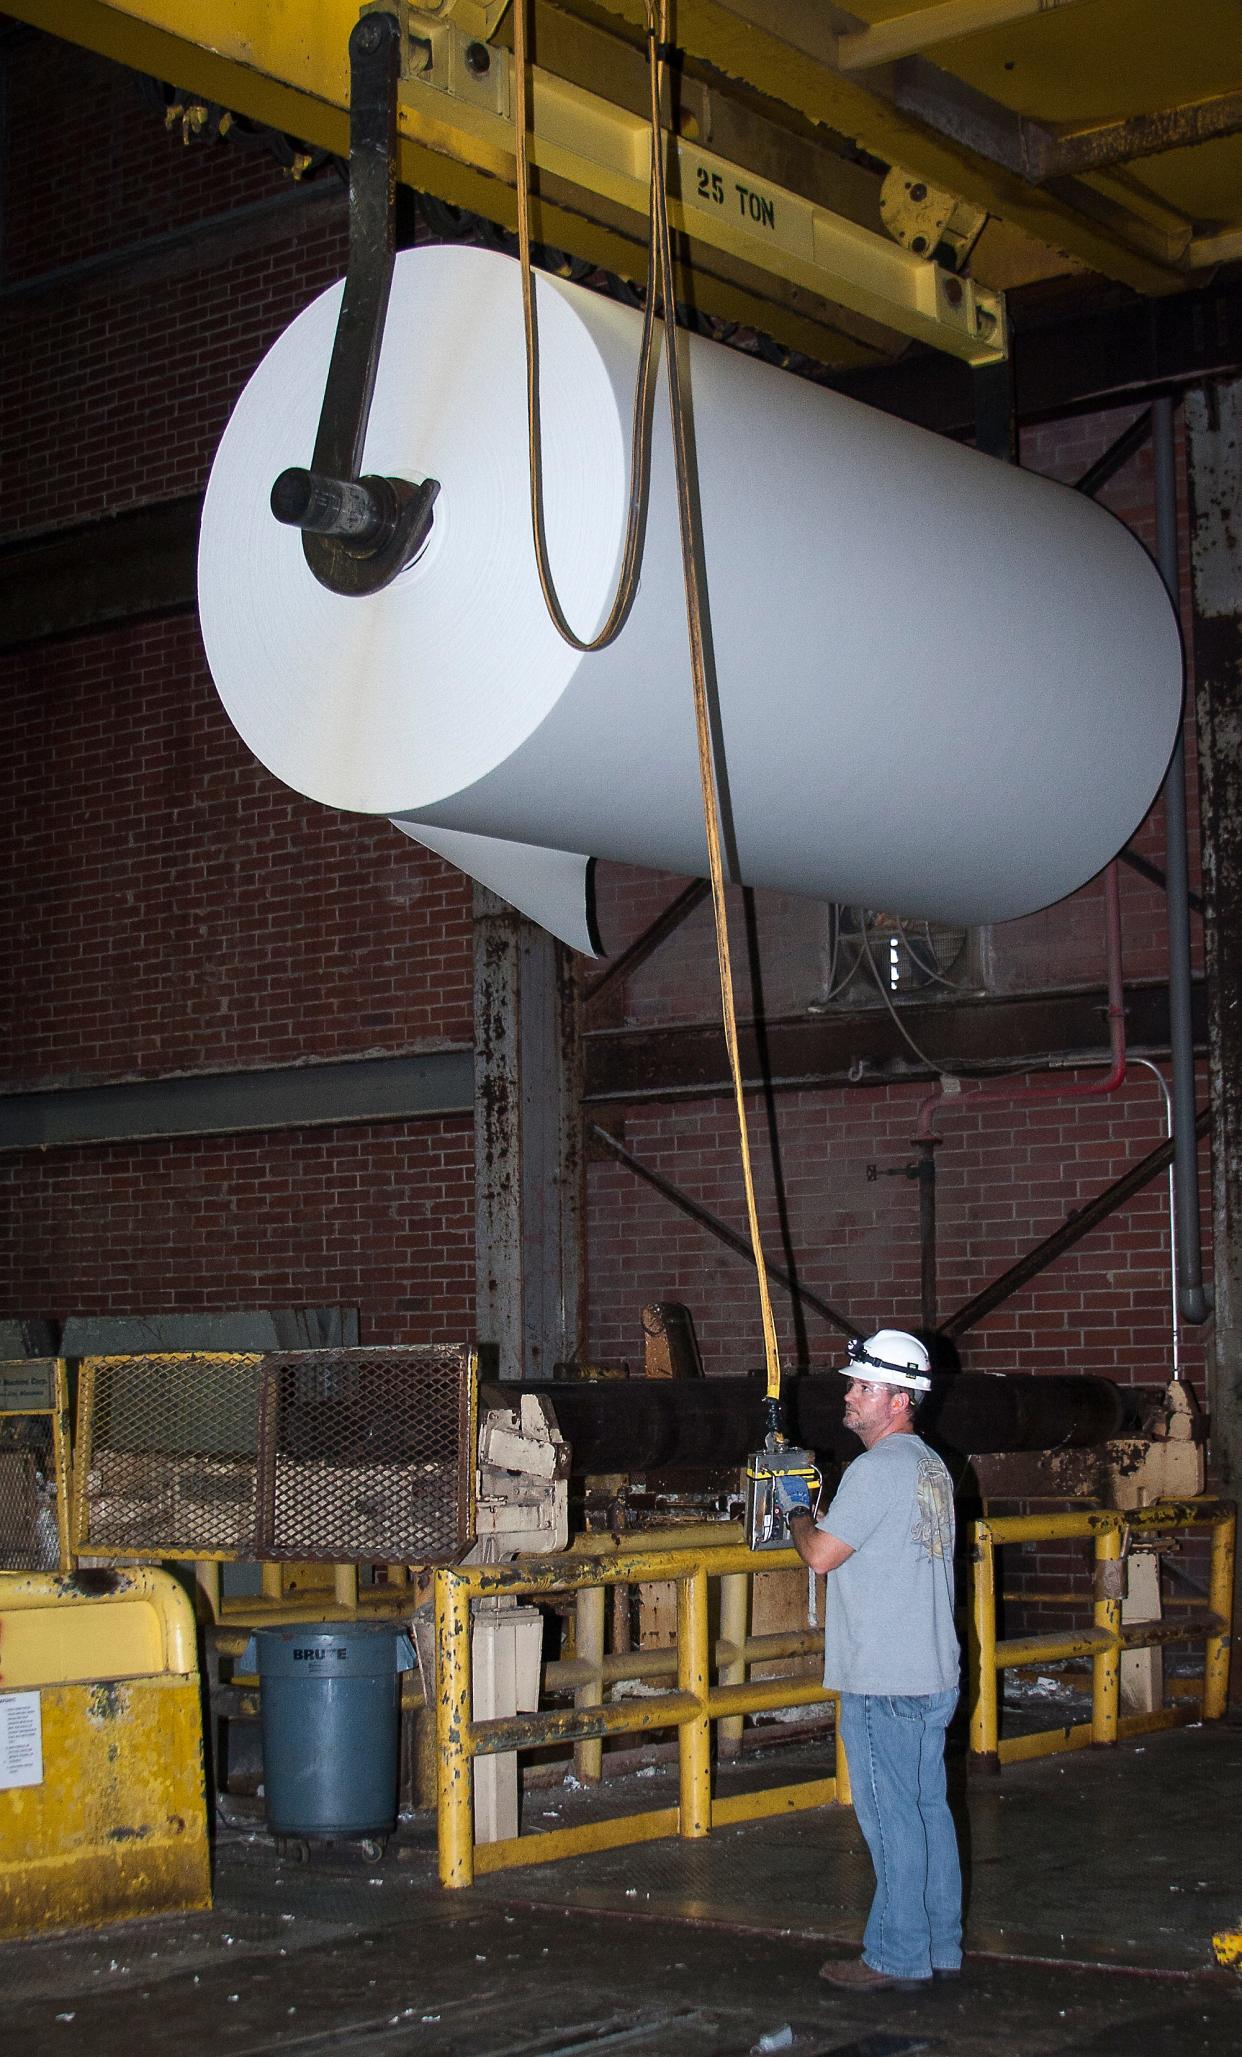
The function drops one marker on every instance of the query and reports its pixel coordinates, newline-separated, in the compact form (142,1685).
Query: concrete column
(1214,445)
(527,1145)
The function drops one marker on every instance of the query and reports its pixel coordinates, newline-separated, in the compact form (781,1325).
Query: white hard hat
(891,1357)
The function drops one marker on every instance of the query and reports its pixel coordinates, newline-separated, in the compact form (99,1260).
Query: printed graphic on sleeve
(933,1524)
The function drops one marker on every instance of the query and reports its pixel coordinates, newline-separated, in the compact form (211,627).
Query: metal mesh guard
(28,1534)
(366,1455)
(172,1453)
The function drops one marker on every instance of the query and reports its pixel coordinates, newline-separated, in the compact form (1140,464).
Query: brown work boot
(855,1976)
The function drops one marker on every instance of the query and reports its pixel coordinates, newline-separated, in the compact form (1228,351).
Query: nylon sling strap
(660,284)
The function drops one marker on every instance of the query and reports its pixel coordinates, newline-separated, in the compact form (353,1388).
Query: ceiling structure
(889,171)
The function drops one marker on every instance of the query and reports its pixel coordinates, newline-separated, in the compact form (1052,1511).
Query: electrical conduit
(948,1094)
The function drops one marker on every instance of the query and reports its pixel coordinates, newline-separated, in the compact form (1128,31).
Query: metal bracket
(358,533)
(475,18)
(1110,1580)
(930,222)
(454,58)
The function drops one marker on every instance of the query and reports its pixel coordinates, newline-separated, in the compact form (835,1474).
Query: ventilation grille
(347,1456)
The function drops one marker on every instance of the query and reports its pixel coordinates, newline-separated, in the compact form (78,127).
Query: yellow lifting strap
(660,280)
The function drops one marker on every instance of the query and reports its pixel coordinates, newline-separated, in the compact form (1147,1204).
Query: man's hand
(791,1492)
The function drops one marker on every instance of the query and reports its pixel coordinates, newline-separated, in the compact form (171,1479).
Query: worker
(891,1652)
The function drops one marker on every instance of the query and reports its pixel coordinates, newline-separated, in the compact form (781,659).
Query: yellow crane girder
(755,249)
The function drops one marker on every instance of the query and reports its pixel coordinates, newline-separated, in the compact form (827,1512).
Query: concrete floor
(1096,1883)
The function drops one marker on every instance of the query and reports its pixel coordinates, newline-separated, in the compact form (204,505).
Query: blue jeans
(894,1746)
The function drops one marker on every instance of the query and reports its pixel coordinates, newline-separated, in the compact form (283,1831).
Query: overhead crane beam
(768,91)
(904,34)
(910,112)
(760,253)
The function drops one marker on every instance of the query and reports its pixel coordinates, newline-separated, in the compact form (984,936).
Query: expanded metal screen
(33,1464)
(346,1456)
(366,1454)
(28,1539)
(166,1454)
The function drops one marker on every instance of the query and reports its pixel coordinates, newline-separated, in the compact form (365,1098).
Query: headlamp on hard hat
(898,1359)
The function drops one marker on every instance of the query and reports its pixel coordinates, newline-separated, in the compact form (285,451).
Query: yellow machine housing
(103,1810)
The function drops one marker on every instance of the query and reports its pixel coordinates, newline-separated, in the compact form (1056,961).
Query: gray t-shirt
(890,1606)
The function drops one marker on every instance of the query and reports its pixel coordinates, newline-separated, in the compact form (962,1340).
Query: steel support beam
(862,1048)
(1072,153)
(922,28)
(601,1139)
(648,943)
(1214,445)
(1193,1303)
(124,567)
(527,1143)
(907,112)
(1099,356)
(433,1082)
(1116,457)
(1147,870)
(1071,1231)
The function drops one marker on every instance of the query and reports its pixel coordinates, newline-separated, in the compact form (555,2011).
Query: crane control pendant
(766,1526)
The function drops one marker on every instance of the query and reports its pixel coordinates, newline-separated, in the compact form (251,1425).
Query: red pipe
(924,1132)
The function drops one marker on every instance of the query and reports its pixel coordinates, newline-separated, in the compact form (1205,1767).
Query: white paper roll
(946,688)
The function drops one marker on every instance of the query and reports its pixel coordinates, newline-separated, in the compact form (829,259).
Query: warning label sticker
(21,1740)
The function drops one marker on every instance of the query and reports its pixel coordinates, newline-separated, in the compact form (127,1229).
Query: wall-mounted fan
(872,955)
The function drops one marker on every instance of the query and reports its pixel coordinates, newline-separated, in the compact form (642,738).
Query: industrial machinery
(669,1449)
(343,1477)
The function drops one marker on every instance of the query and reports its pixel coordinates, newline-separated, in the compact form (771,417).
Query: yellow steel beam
(759,252)
(903,34)
(1094,146)
(789,53)
(596,147)
(1225,248)
(1220,1600)
(1046,1742)
(549,1846)
(770,1800)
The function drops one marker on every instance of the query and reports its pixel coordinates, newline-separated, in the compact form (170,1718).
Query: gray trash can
(330,1705)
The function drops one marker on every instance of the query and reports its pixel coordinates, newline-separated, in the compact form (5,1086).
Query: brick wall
(171,908)
(168,907)
(93,169)
(1005,1179)
(377,1216)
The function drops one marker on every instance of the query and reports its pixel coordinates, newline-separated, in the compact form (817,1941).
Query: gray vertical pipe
(927,1230)
(1193,1302)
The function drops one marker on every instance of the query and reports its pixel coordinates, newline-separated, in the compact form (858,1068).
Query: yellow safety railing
(589,1671)
(1107,1637)
(691,1708)
(292,1592)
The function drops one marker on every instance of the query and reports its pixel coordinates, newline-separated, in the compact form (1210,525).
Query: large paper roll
(946,688)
